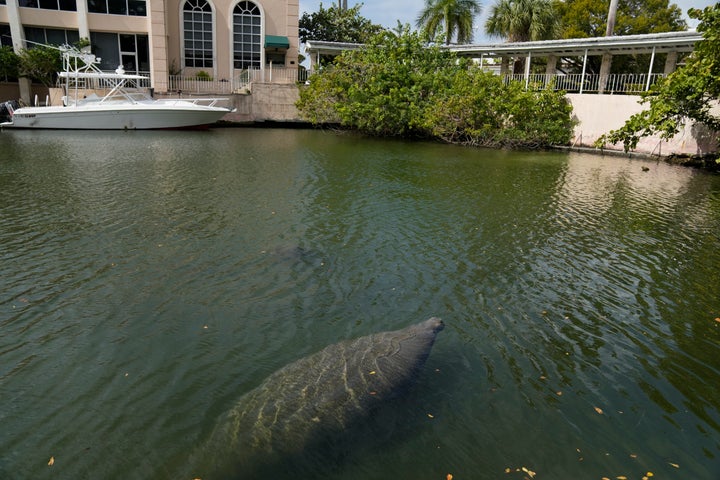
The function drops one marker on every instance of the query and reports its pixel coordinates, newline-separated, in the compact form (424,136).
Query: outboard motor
(7,109)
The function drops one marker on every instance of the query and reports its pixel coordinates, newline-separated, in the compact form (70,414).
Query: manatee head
(407,350)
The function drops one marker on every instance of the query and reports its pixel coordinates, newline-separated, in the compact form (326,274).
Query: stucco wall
(598,114)
(266,102)
(280,17)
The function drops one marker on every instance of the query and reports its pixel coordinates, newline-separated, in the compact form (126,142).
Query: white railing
(193,85)
(626,83)
(178,83)
(100,83)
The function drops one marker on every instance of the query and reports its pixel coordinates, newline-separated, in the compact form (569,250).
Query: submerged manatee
(315,398)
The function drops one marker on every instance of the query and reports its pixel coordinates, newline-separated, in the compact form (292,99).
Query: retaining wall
(265,102)
(598,114)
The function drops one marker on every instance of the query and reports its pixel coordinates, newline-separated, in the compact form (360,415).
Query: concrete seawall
(598,114)
(265,102)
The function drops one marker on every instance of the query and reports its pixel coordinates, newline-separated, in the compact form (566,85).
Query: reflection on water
(148,279)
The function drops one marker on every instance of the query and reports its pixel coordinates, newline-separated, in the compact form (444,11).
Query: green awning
(276,41)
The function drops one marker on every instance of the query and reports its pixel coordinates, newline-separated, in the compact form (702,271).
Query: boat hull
(116,117)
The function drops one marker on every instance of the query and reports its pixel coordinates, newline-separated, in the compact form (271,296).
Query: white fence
(625,83)
(192,85)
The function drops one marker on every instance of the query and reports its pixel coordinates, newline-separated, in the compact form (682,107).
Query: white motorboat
(97,100)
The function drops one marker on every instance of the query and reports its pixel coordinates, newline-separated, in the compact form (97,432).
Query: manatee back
(320,395)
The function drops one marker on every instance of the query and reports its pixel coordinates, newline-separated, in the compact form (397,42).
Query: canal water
(149,279)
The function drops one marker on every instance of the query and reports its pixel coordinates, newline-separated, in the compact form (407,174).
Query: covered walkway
(553,51)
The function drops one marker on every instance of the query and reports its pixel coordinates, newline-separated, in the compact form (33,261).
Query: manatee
(315,399)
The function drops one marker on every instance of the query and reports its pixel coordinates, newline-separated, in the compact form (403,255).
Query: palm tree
(454,16)
(523,20)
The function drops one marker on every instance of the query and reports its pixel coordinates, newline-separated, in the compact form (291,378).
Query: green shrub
(398,86)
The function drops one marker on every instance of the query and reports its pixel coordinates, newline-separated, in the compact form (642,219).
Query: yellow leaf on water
(449,476)
(372,373)
(51,461)
(674,465)
(599,410)
(649,474)
(430,415)
(621,477)
(508,470)
(529,472)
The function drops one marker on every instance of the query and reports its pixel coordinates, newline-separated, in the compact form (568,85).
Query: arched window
(198,33)
(246,35)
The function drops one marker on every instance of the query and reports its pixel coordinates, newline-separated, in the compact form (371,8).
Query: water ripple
(145,289)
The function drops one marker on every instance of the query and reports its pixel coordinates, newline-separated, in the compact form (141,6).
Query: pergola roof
(329,48)
(618,45)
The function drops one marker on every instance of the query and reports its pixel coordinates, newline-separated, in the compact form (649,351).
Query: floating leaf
(372,373)
(51,462)
(599,410)
(529,472)
(674,465)
(649,474)
(508,470)
(558,393)
(430,415)
(449,476)
(621,477)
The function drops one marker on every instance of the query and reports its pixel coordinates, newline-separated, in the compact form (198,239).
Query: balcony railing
(625,83)
(194,85)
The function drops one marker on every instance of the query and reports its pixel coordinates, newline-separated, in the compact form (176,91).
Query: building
(167,39)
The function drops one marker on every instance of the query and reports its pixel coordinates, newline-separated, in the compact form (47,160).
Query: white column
(550,69)
(16,29)
(18,38)
(604,71)
(582,79)
(670,62)
(157,33)
(527,70)
(82,19)
(652,60)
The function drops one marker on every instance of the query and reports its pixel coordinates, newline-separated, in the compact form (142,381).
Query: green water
(148,279)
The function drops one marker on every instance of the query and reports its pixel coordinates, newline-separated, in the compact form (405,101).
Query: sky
(388,12)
